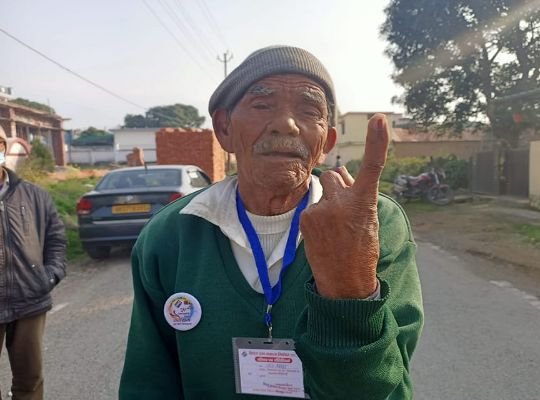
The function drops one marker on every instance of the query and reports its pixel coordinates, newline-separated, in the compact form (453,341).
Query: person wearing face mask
(32,262)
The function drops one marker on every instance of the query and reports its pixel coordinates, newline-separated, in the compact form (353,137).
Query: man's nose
(285,123)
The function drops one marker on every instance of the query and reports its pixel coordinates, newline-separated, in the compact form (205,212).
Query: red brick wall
(191,146)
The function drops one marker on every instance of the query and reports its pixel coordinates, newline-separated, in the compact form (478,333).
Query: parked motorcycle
(427,186)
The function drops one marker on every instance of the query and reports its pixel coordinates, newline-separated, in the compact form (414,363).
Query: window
(141,179)
(198,179)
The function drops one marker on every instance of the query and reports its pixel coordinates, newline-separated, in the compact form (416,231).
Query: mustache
(280,144)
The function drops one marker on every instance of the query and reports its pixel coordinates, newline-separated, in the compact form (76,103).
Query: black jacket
(32,250)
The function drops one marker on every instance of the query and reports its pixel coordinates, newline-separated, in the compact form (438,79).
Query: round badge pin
(182,311)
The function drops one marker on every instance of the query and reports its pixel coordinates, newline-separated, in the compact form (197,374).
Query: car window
(141,179)
(198,179)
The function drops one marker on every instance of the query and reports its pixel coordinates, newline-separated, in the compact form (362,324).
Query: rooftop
(9,104)
(412,135)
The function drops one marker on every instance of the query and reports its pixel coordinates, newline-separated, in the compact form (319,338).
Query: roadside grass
(420,206)
(65,195)
(529,232)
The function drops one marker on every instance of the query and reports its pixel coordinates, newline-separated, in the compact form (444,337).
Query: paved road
(482,333)
(86,333)
(481,340)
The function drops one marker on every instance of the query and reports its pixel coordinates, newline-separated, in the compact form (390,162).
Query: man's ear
(331,138)
(221,123)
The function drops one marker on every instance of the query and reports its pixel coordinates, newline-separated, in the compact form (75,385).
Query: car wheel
(99,252)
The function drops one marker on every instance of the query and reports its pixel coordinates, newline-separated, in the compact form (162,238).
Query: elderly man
(277,282)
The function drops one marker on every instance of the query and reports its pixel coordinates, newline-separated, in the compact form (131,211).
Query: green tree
(457,60)
(34,104)
(41,156)
(94,137)
(176,115)
(135,121)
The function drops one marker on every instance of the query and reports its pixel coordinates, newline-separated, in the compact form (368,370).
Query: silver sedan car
(116,210)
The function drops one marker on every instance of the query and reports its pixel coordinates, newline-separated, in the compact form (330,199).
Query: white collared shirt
(210,206)
(218,206)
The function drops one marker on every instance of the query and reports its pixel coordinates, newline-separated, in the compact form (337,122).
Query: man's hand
(341,231)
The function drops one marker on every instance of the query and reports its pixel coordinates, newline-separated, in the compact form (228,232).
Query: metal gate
(501,172)
(485,172)
(516,173)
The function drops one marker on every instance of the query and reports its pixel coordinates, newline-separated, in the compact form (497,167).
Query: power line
(110,92)
(213,23)
(190,34)
(201,33)
(178,42)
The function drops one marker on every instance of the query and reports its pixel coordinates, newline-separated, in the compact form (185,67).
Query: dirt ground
(63,173)
(489,229)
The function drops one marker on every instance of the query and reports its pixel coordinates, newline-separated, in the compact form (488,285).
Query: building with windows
(27,123)
(352,130)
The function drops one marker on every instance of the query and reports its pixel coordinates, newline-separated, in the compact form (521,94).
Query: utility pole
(226,58)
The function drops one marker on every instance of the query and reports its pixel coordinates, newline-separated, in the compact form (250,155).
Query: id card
(268,368)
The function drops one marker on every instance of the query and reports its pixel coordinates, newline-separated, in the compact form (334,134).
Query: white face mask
(2,157)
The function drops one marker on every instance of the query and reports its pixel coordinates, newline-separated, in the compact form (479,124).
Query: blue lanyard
(271,294)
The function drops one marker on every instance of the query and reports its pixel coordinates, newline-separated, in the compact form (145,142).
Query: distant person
(32,262)
(338,161)
(135,158)
(278,281)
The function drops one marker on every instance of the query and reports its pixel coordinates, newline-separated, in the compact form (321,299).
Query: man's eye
(261,106)
(311,112)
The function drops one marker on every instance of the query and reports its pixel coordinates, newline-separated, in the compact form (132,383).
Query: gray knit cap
(273,60)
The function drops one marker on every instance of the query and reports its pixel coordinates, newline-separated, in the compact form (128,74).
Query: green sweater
(350,349)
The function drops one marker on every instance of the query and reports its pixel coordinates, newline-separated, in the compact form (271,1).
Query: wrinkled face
(279,131)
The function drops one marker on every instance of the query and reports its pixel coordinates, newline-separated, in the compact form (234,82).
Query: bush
(403,166)
(39,162)
(65,195)
(457,171)
(353,167)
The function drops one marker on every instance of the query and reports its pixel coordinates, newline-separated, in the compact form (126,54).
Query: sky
(123,47)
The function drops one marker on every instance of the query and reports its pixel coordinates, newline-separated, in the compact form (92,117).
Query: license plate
(130,208)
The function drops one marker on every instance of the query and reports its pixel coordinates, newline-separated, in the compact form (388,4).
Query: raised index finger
(374,154)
